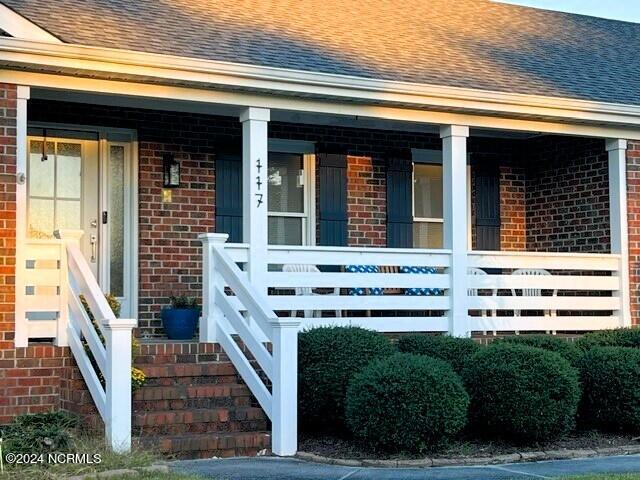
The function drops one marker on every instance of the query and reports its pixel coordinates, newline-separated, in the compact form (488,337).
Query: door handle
(94,223)
(93,239)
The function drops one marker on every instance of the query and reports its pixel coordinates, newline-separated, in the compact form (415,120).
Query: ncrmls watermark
(52,458)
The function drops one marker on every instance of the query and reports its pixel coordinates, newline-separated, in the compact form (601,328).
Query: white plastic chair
(473,292)
(303,268)
(532,292)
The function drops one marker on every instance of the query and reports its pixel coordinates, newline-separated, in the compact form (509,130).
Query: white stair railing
(109,344)
(224,316)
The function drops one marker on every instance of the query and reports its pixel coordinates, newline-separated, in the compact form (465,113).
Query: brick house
(288,163)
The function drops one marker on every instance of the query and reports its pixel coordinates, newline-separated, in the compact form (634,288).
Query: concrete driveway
(270,468)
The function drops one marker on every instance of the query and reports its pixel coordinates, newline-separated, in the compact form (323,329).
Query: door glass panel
(285,230)
(41,173)
(41,217)
(427,234)
(68,170)
(286,185)
(54,188)
(68,214)
(116,221)
(427,191)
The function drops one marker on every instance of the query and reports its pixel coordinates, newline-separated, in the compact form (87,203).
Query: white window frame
(308,216)
(424,156)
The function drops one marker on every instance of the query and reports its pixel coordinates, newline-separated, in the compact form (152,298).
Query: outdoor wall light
(170,171)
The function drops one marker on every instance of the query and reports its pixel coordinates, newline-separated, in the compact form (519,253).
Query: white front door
(80,180)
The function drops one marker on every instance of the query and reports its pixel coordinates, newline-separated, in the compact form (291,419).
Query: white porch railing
(53,277)
(577,292)
(580,293)
(112,356)
(232,306)
(41,292)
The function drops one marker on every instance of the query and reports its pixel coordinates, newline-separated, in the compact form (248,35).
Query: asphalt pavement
(273,468)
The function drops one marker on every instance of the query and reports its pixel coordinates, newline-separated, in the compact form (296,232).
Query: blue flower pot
(180,323)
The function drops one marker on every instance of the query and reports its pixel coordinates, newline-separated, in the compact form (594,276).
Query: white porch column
(284,412)
(255,149)
(211,281)
(21,327)
(454,162)
(619,231)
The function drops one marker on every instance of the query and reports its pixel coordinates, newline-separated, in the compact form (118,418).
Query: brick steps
(196,407)
(208,445)
(203,420)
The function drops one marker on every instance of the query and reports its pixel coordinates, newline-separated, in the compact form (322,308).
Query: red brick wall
(169,252)
(567,195)
(8,104)
(633,205)
(29,377)
(513,234)
(366,202)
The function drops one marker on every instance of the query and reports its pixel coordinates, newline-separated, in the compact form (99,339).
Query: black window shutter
(229,195)
(399,203)
(487,203)
(332,211)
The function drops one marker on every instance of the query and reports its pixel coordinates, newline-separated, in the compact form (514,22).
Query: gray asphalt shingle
(465,43)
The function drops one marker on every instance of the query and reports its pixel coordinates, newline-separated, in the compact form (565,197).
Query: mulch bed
(335,447)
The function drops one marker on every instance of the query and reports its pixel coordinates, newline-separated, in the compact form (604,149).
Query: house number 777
(259,196)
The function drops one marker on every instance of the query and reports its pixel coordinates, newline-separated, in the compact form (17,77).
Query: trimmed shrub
(619,337)
(610,379)
(406,402)
(522,393)
(328,358)
(568,350)
(455,351)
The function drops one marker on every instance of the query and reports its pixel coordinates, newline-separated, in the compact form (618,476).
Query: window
(428,217)
(427,205)
(290,187)
(55,187)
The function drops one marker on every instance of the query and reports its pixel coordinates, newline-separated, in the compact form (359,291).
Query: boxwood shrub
(568,350)
(406,402)
(455,351)
(520,392)
(328,358)
(610,379)
(619,337)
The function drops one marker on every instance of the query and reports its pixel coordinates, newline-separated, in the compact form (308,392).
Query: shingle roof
(465,43)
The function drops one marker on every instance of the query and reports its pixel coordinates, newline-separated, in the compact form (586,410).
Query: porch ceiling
(285,116)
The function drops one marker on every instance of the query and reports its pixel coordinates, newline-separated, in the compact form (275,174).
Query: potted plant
(180,319)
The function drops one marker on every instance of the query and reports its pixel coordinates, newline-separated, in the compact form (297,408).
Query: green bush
(328,358)
(406,402)
(39,433)
(455,351)
(610,379)
(522,393)
(566,349)
(619,337)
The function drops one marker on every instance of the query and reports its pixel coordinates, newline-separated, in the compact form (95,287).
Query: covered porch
(282,221)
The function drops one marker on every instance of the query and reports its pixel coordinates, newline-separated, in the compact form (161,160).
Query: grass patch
(137,458)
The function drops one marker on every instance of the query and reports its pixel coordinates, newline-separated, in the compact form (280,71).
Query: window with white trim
(428,217)
(427,205)
(290,193)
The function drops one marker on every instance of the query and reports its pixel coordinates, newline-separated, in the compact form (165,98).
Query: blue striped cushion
(364,269)
(421,291)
